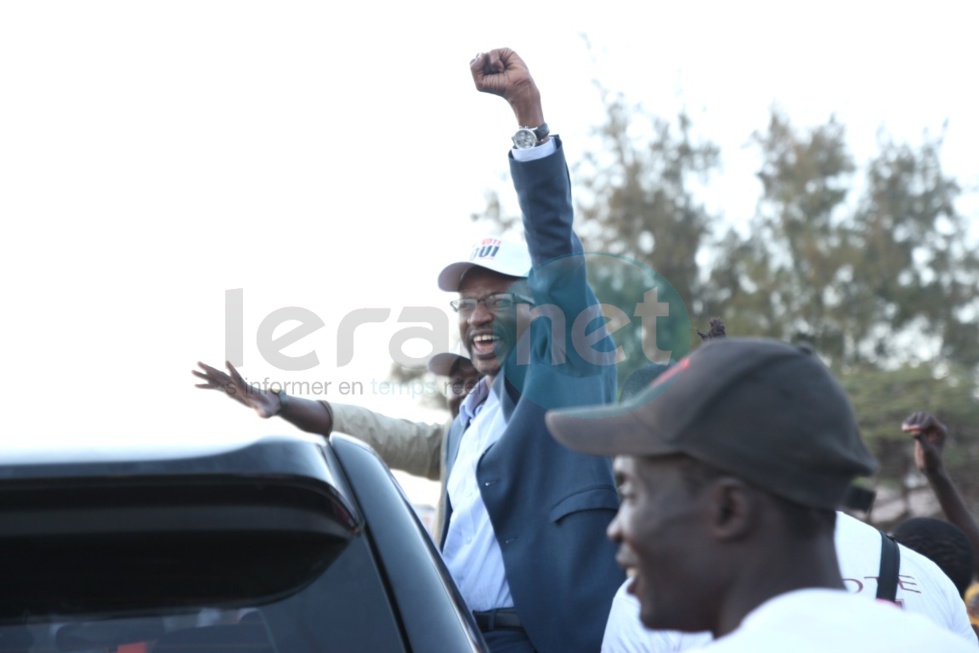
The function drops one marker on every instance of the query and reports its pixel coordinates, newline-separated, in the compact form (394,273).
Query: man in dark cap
(730,468)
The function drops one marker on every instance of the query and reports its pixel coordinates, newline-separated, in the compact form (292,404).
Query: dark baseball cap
(766,411)
(444,363)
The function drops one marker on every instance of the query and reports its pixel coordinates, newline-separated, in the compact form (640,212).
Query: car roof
(66,456)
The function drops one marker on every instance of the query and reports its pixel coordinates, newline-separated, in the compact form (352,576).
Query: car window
(341,608)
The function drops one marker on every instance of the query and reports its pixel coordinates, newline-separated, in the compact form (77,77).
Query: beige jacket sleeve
(414,447)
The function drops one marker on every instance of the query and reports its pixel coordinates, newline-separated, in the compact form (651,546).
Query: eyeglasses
(494,302)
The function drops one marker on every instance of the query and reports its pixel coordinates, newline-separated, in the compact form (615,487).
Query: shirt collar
(472,402)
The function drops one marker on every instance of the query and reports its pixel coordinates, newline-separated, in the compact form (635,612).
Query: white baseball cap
(493,253)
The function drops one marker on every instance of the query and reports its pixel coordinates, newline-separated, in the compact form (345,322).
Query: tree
(780,281)
(637,200)
(885,280)
(631,189)
(918,273)
(431,389)
(637,196)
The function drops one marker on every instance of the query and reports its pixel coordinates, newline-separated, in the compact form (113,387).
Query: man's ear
(732,508)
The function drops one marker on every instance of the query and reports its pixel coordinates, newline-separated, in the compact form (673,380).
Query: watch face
(524,139)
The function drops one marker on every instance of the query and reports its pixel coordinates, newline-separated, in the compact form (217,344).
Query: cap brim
(451,276)
(443,363)
(610,430)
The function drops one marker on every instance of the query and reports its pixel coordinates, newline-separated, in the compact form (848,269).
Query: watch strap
(540,134)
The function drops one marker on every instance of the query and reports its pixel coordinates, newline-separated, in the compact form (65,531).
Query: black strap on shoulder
(859,498)
(890,564)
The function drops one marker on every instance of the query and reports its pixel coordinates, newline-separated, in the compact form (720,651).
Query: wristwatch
(282,402)
(528,137)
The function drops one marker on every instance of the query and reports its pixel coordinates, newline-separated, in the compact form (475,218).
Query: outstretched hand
(265,403)
(929,440)
(502,72)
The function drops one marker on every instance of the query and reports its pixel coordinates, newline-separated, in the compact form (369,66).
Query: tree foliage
(636,198)
(885,279)
(783,275)
(870,262)
(916,267)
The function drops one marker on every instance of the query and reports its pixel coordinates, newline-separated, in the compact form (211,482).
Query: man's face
(663,544)
(461,383)
(489,336)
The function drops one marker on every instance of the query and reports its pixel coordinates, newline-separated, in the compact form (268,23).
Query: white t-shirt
(922,588)
(820,620)
(624,633)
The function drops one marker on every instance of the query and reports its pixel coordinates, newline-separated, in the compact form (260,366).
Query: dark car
(285,544)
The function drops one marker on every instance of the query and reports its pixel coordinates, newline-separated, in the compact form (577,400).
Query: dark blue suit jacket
(550,506)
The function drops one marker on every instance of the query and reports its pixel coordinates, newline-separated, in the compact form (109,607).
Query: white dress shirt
(471,551)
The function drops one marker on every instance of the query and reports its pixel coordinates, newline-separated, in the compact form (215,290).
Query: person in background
(730,468)
(943,543)
(972,605)
(930,436)
(462,376)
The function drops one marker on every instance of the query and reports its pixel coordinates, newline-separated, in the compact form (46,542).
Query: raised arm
(413,447)
(309,415)
(571,341)
(930,436)
(540,173)
(410,446)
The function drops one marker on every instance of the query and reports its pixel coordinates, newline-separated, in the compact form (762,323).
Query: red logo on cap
(670,372)
(486,249)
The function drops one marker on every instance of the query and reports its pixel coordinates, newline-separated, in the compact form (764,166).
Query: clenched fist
(502,72)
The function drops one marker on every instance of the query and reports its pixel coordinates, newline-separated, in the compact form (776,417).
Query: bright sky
(155,155)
